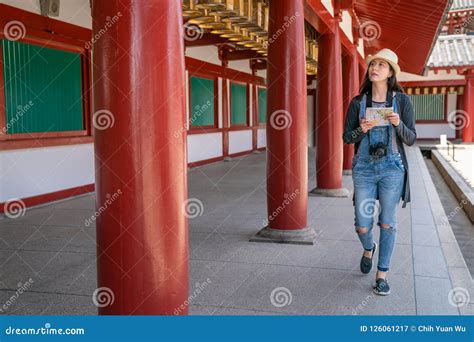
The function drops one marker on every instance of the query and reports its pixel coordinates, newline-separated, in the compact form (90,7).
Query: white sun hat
(387,55)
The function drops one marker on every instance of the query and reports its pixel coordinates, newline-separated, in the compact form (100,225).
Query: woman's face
(379,71)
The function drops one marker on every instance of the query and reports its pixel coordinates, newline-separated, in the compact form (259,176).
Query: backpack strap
(363,106)
(395,102)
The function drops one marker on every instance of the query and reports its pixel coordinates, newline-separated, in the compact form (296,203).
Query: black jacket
(406,133)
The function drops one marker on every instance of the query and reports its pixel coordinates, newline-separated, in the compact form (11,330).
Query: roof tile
(453,50)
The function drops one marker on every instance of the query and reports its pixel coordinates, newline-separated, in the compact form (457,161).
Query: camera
(378,150)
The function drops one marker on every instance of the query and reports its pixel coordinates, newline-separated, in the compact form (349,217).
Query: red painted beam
(19,144)
(199,67)
(239,54)
(51,196)
(434,83)
(318,16)
(205,40)
(346,4)
(140,150)
(37,22)
(258,64)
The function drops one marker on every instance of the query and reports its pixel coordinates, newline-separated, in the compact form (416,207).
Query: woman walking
(379,166)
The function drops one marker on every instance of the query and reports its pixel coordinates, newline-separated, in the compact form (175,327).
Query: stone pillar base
(341,192)
(304,236)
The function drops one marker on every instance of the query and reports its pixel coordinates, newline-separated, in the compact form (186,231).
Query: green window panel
(262,105)
(202,102)
(428,107)
(42,89)
(238,104)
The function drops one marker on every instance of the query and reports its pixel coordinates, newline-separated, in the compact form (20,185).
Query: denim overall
(379,178)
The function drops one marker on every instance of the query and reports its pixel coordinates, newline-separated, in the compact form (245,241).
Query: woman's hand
(393,118)
(365,125)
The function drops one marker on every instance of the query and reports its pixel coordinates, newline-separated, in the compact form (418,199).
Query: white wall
(204,53)
(360,47)
(328,5)
(204,146)
(32,172)
(261,137)
(433,131)
(262,73)
(77,12)
(240,141)
(346,25)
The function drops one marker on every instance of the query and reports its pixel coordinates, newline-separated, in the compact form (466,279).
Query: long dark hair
(392,83)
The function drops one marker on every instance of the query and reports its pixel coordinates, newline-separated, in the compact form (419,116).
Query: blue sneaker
(381,287)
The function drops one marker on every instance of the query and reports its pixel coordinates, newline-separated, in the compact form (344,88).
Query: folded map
(378,115)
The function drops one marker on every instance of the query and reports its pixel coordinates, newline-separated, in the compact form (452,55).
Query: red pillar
(225,119)
(459,109)
(362,72)
(225,106)
(255,119)
(142,238)
(350,83)
(287,154)
(329,116)
(468,123)
(254,104)
(451,27)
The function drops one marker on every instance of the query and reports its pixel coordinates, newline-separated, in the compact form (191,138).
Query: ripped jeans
(385,176)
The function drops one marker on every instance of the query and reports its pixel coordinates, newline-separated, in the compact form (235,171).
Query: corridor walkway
(50,253)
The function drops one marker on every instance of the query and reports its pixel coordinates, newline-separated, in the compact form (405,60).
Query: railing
(449,143)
